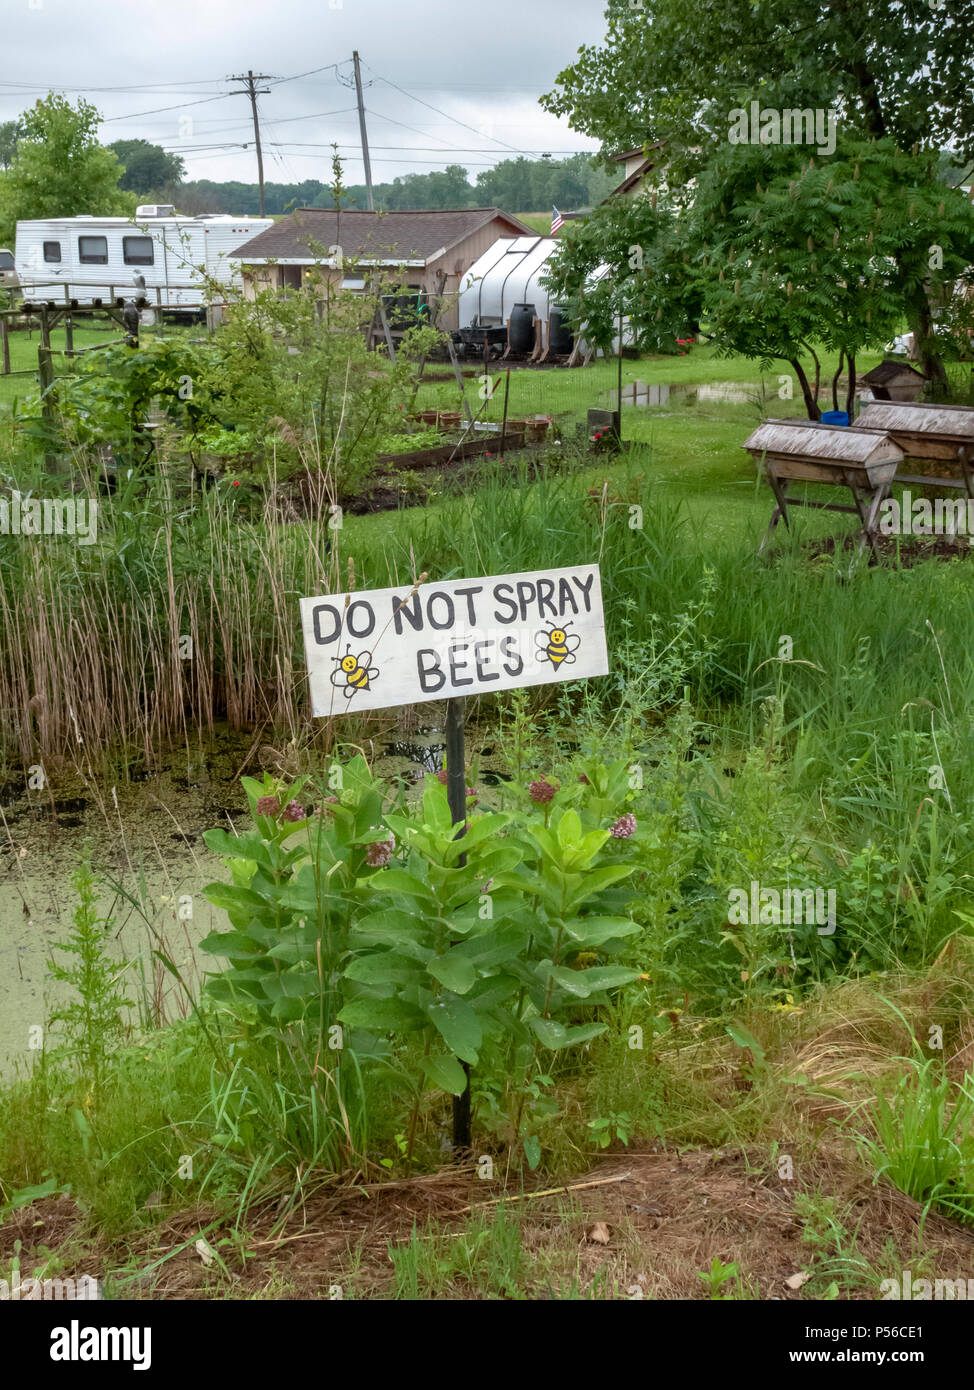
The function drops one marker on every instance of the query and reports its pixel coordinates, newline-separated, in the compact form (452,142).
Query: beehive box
(815,453)
(923,431)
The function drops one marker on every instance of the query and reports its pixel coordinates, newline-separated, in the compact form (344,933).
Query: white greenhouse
(503,290)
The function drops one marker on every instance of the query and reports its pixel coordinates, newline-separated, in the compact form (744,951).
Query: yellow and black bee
(557,646)
(353,673)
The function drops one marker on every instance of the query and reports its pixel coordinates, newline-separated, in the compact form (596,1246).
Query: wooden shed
(894,381)
(865,462)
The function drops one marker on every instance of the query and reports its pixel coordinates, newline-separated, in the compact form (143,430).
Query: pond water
(148,853)
(639,393)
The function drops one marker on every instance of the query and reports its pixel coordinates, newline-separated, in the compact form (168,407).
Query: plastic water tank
(835,417)
(522,327)
(561,339)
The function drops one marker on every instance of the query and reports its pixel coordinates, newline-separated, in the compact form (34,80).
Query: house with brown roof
(422,251)
(637,163)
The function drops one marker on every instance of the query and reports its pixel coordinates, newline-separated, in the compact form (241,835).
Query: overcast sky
(481,64)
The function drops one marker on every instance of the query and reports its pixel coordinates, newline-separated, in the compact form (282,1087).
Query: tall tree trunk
(811,404)
(851,397)
(921,325)
(835,381)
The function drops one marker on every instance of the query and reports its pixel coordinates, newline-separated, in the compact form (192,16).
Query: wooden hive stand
(789,451)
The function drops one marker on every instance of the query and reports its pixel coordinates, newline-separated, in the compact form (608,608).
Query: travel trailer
(88,258)
(8,275)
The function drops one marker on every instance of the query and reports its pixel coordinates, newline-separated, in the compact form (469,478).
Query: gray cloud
(482,65)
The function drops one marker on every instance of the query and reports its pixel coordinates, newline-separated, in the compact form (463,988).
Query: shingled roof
(406,236)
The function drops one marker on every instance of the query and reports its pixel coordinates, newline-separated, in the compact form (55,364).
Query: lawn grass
(88,333)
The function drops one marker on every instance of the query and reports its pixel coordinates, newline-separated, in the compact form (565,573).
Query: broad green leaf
(608,976)
(596,879)
(594,931)
(288,1010)
(569,829)
(583,1032)
(549,1032)
(446,1072)
(381,1015)
(574,981)
(382,968)
(532,1151)
(493,947)
(399,881)
(389,926)
(453,971)
(457,1025)
(745,1038)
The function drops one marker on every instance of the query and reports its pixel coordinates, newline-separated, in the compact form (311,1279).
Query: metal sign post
(456,795)
(382,648)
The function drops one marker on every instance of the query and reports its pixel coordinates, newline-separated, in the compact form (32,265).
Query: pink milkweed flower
(379,852)
(295,811)
(267,806)
(624,828)
(541,791)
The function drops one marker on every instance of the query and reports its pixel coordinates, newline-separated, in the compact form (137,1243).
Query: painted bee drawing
(353,672)
(557,646)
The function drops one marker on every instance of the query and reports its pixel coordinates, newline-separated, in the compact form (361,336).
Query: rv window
(6,261)
(137,250)
(52,251)
(93,250)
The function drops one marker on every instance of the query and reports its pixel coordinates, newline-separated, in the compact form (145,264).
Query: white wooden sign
(401,646)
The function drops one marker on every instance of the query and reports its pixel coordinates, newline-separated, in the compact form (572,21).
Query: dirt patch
(639,1224)
(895,550)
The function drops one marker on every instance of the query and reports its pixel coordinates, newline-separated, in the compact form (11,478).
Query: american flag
(557,221)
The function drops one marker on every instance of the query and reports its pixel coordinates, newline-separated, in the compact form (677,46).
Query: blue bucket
(835,417)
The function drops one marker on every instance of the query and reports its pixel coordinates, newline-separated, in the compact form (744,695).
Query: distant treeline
(517,185)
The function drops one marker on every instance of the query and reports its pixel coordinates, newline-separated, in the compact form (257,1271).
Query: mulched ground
(904,552)
(651,1220)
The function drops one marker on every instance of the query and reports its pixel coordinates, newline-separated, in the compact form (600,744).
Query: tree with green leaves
(60,169)
(146,167)
(781,254)
(10,133)
(889,72)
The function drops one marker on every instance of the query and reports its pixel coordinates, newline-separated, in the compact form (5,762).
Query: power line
(150,88)
(312,73)
(392,121)
(134,115)
(445,114)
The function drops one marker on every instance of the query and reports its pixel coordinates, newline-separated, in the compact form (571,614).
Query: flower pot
(449,419)
(536,430)
(428,417)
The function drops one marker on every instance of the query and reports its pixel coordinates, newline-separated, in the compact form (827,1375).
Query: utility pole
(361,126)
(250,89)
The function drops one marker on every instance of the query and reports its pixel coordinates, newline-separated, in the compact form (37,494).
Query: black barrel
(560,339)
(522,327)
